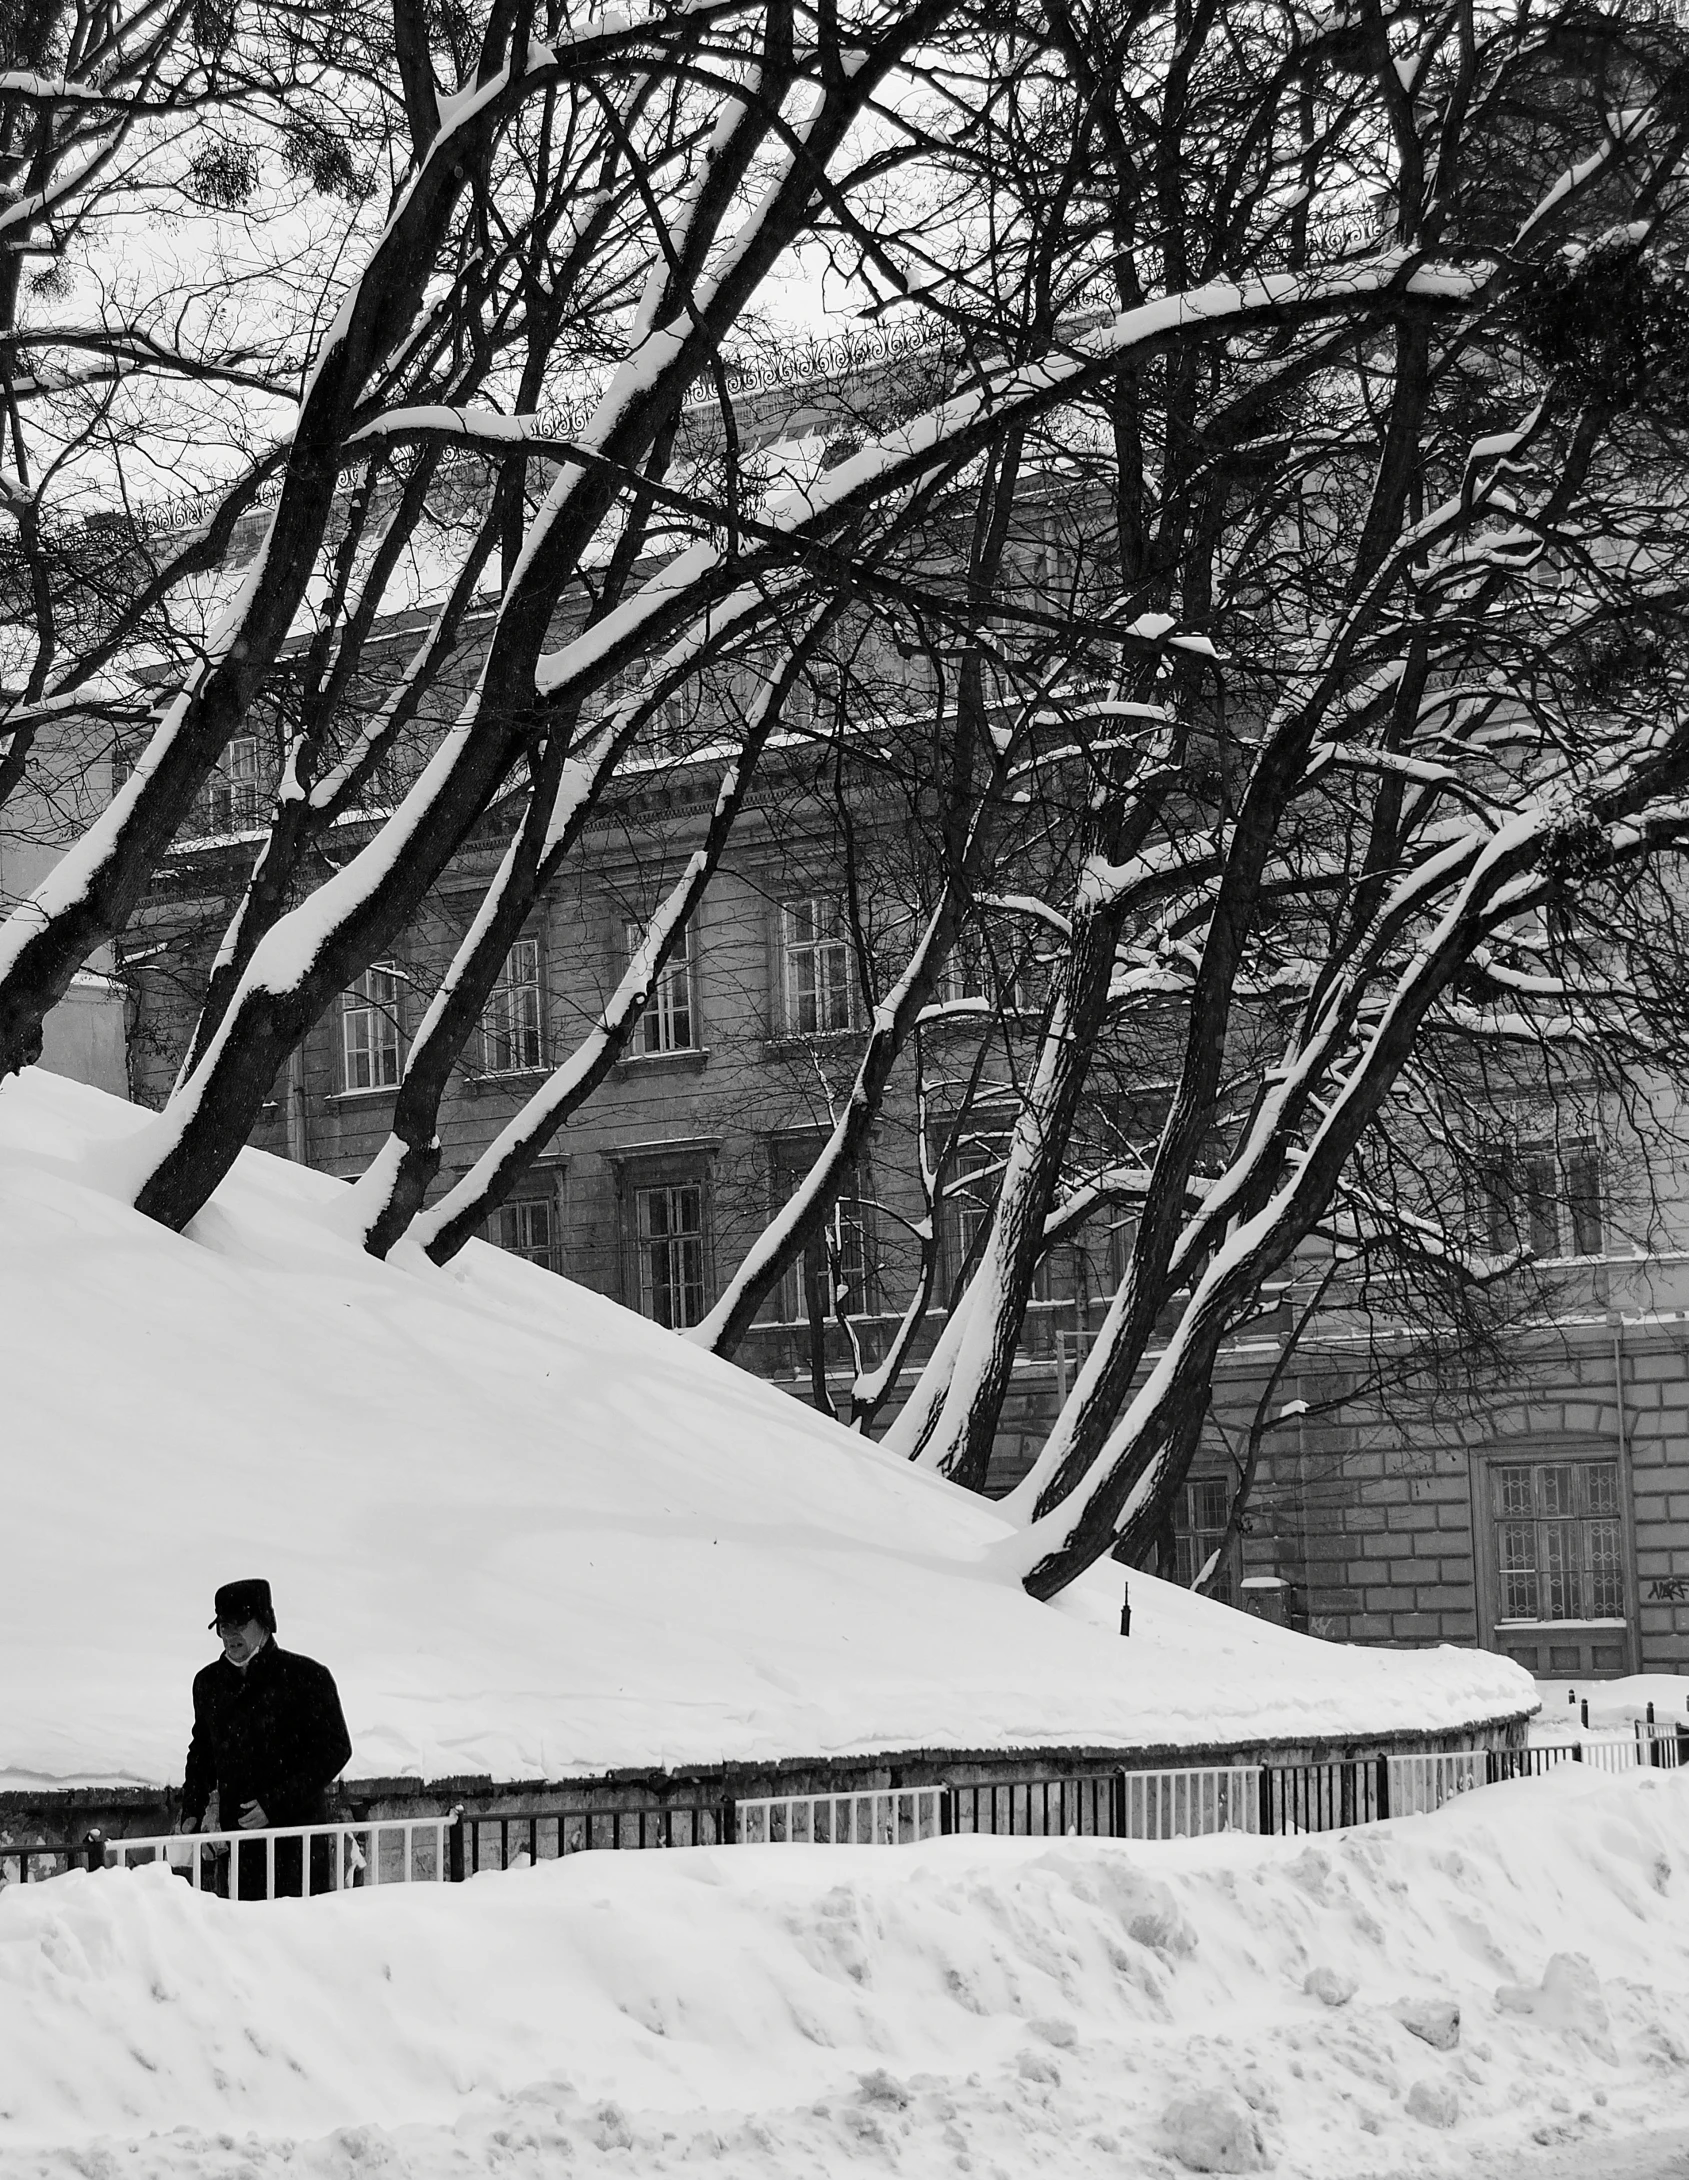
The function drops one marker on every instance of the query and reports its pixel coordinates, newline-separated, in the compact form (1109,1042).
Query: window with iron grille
(1199,1525)
(818,979)
(669,1247)
(1547,1199)
(1559,1540)
(529,1228)
(511,1038)
(667,1023)
(370,1033)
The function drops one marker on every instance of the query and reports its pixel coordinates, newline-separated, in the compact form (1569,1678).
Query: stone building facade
(1540,1516)
(1542,1513)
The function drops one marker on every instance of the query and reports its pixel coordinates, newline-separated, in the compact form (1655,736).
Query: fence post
(727,1822)
(95,1845)
(454,1850)
(1383,1789)
(1266,1793)
(946,1811)
(1117,1804)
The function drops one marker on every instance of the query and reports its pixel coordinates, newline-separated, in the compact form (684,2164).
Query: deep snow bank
(532,1534)
(998,2005)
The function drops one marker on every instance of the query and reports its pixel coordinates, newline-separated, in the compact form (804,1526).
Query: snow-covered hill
(532,1535)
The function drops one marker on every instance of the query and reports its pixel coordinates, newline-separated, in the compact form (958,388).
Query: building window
(369,1029)
(835,1271)
(1547,1200)
(1012,983)
(971,1200)
(510,1028)
(1199,1526)
(817,968)
(528,1228)
(231,794)
(1559,1542)
(970,1203)
(667,1023)
(818,699)
(669,1244)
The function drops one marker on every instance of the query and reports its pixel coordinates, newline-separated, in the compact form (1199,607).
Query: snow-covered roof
(532,1534)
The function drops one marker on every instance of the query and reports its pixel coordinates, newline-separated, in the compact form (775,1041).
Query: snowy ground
(532,1535)
(1614,1705)
(985,2007)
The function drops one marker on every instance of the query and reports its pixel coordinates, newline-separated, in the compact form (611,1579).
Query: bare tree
(1337,733)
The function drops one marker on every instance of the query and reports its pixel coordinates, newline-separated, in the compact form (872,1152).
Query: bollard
(95,1844)
(1571,1695)
(1125,1608)
(1586,1710)
(1650,1714)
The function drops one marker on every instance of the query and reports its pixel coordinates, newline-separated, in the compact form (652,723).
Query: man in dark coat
(269,1736)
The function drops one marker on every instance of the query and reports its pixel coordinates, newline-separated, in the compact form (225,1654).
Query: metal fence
(1038,1808)
(512,1842)
(1190,1804)
(883,1817)
(1419,1784)
(1272,1800)
(1167,1803)
(282,1861)
(24,1863)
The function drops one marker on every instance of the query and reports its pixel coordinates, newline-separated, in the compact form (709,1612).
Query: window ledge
(797,1040)
(1548,1626)
(376,1090)
(688,1060)
(508,1078)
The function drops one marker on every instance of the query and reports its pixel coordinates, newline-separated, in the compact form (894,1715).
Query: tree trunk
(961,1438)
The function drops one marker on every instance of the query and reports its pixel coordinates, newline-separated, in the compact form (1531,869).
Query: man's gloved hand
(252,1817)
(185,1823)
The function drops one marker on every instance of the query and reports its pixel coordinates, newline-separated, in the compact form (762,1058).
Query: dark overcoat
(273,1734)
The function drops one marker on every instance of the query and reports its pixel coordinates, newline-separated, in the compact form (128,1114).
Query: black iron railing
(544,1835)
(1041,1808)
(1327,1797)
(31,1862)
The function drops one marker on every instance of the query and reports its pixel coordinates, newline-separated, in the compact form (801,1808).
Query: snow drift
(1393,2000)
(533,1535)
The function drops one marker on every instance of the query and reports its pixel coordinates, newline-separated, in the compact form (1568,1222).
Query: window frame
(1549,1193)
(547,1255)
(851,1223)
(231,792)
(1528,1538)
(642,1190)
(1194,1539)
(526,1037)
(651,1039)
(360,1002)
(833,945)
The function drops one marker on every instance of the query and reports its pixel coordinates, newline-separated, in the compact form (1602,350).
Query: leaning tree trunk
(981,1358)
(92,892)
(399,1177)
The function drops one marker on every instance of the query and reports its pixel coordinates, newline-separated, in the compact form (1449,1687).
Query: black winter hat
(243,1601)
